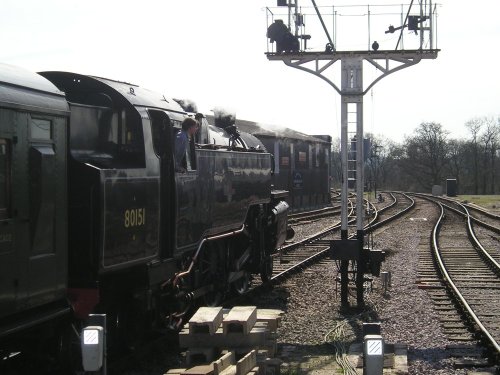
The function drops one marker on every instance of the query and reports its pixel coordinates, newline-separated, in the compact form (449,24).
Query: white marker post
(93,342)
(373,352)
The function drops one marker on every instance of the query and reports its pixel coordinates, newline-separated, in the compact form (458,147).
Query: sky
(213,52)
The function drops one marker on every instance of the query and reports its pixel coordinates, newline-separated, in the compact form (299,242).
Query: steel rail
(315,236)
(482,210)
(449,281)
(494,265)
(313,215)
(474,219)
(393,217)
(474,208)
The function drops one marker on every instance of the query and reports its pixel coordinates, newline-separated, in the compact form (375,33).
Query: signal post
(353,258)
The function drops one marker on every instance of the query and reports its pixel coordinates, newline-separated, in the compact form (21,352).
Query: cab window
(4,178)
(106,137)
(160,131)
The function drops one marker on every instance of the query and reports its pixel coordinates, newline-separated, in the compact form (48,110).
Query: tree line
(430,156)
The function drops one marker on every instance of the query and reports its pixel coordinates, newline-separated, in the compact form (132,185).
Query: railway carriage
(33,212)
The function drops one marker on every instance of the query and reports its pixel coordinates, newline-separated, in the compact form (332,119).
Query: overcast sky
(212,52)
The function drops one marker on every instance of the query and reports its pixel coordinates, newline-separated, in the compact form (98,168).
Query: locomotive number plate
(134,217)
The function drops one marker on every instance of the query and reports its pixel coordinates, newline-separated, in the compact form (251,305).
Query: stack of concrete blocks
(243,331)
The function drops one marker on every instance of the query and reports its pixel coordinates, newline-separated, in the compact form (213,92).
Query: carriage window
(4,178)
(41,129)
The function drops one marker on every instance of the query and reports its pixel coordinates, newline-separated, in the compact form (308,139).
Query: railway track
(297,256)
(483,225)
(395,209)
(470,274)
(313,215)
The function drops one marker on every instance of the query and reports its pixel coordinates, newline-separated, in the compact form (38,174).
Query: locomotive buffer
(288,43)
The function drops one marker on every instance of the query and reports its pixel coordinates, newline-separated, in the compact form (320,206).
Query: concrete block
(272,317)
(240,319)
(206,320)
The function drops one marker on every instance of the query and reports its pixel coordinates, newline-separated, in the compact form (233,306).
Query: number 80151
(134,217)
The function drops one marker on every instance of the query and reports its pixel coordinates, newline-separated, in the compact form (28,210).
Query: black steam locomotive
(94,217)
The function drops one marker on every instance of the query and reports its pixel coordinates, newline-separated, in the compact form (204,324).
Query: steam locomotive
(94,217)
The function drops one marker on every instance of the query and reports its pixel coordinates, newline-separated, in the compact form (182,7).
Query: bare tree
(474,125)
(426,154)
(490,139)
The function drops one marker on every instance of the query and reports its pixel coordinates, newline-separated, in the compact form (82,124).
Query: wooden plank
(206,320)
(224,362)
(240,319)
(247,363)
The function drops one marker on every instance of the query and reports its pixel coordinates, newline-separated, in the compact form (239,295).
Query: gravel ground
(406,312)
(306,229)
